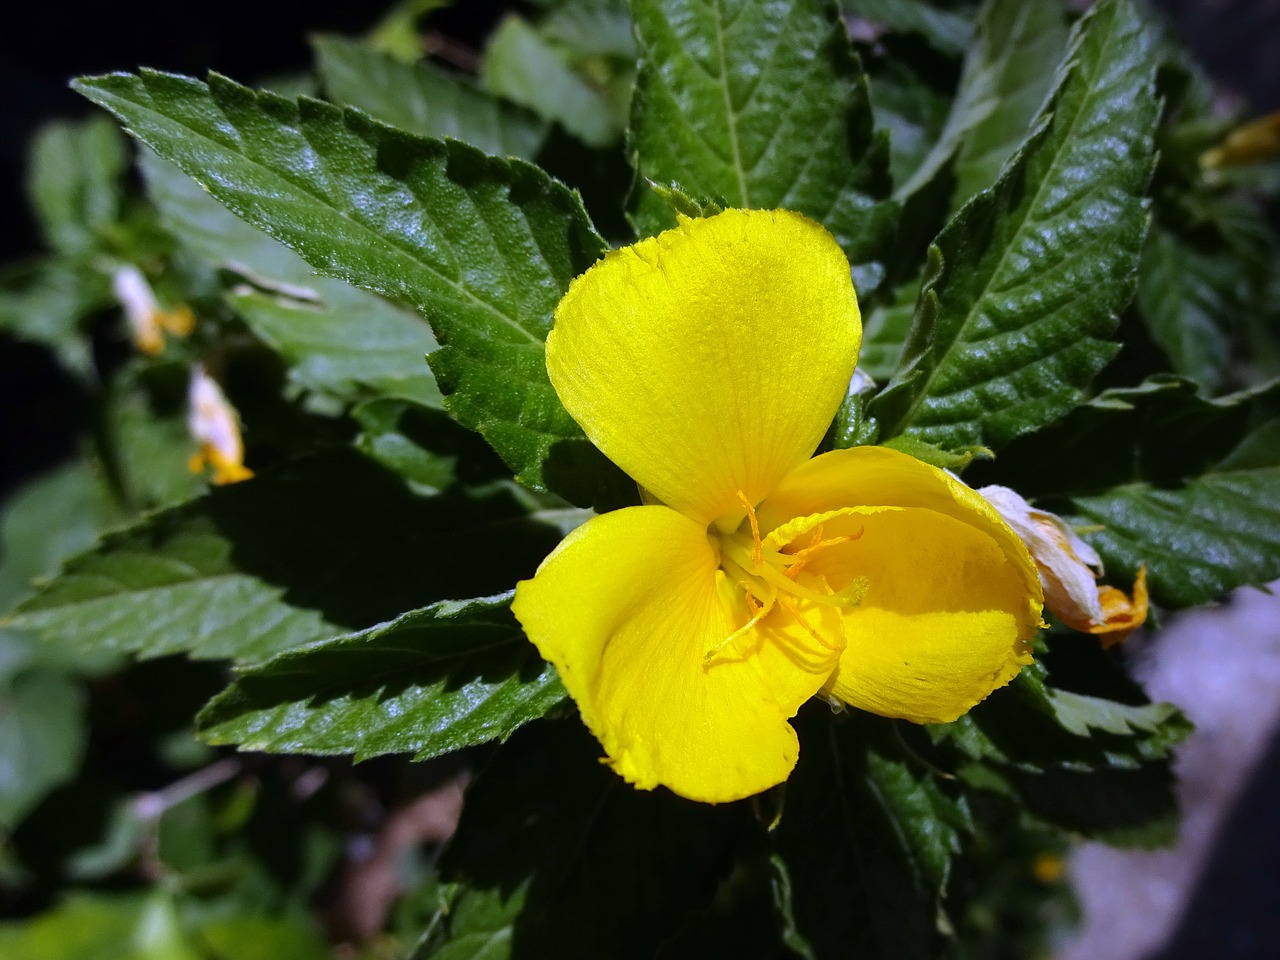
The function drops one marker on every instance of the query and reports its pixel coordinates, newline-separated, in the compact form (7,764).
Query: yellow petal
(628,608)
(951,598)
(710,359)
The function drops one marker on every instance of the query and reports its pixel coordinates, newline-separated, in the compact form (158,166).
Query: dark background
(1235,912)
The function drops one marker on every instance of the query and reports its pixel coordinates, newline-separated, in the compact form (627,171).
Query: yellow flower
(1255,142)
(215,425)
(1069,571)
(148,322)
(708,362)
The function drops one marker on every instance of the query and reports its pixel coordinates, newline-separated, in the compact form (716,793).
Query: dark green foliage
(373,279)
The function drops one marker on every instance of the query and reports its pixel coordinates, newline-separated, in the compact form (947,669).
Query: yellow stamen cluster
(769,574)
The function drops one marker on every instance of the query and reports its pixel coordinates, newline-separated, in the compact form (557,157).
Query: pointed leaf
(451,675)
(42,737)
(305,552)
(1164,478)
(1026,283)
(764,105)
(483,247)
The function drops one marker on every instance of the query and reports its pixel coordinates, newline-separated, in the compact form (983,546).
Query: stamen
(757,548)
(788,605)
(758,613)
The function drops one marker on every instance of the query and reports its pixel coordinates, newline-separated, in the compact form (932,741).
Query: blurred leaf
(46,302)
(1002,86)
(82,927)
(42,738)
(521,65)
(865,843)
(398,33)
(54,516)
(46,521)
(74,181)
(947,31)
(336,338)
(148,440)
(549,832)
(423,98)
(765,106)
(483,247)
(1162,477)
(909,109)
(884,334)
(349,345)
(1180,297)
(452,675)
(308,551)
(593,28)
(260,938)
(398,435)
(1025,284)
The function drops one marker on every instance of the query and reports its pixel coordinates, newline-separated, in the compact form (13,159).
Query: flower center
(772,574)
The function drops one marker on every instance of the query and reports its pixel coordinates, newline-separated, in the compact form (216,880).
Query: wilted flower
(214,423)
(148,321)
(1069,571)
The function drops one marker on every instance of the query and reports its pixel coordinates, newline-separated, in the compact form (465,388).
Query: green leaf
(45,302)
(1025,284)
(953,460)
(884,333)
(423,98)
(54,516)
(337,339)
(765,106)
(148,442)
(399,33)
(1003,84)
(82,927)
(1164,478)
(302,553)
(1084,761)
(865,842)
(1033,728)
(49,519)
(403,436)
(521,65)
(550,831)
(42,738)
(471,925)
(484,248)
(1181,300)
(448,676)
(945,30)
(260,938)
(908,108)
(74,181)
